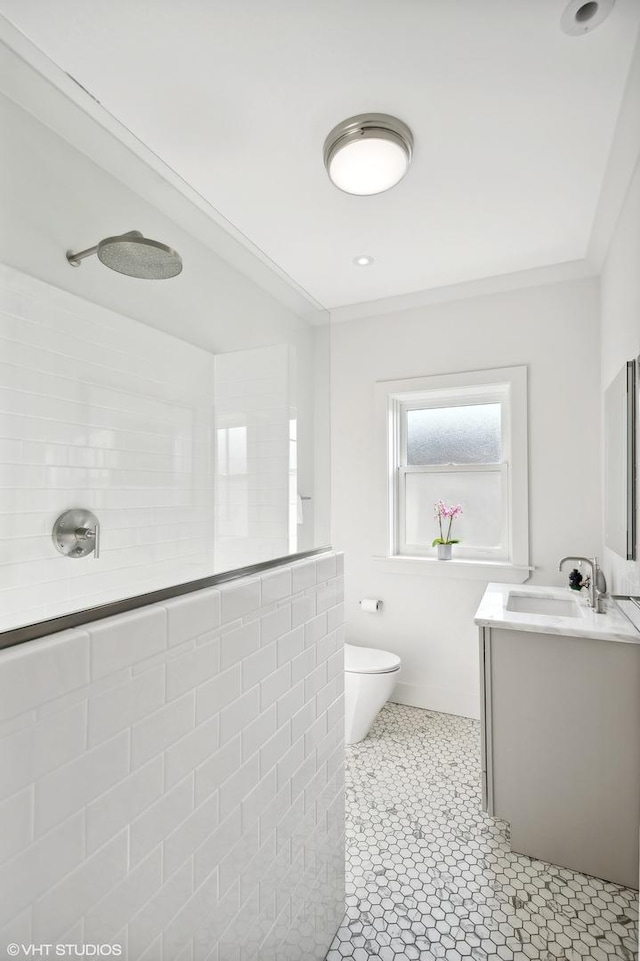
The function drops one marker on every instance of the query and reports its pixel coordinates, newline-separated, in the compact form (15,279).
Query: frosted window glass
(454,435)
(480,494)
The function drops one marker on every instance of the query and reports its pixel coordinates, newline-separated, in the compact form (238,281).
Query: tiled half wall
(171,780)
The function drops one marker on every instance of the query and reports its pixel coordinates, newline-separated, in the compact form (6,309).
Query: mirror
(620,461)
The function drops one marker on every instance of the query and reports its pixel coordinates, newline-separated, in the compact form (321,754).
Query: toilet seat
(367,660)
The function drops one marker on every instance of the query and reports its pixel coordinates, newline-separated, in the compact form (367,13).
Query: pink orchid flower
(448,513)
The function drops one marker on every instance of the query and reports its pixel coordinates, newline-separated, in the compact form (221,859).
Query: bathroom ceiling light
(581,17)
(368,154)
(363,260)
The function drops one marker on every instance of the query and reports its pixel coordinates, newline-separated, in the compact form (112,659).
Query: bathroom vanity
(560,691)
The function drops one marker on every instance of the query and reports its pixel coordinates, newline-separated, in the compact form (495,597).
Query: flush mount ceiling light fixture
(364,260)
(368,154)
(580,17)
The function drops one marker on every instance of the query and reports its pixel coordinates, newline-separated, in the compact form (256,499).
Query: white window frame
(508,386)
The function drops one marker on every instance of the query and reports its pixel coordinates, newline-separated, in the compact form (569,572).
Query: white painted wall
(620,338)
(171,780)
(427,620)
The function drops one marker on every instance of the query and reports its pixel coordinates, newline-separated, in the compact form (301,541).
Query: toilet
(369,679)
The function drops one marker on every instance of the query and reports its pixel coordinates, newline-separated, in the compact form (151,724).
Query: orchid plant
(444,513)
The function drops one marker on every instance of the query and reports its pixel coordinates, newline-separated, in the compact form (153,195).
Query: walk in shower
(161,422)
(171,707)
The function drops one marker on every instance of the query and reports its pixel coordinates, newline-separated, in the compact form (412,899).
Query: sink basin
(539,604)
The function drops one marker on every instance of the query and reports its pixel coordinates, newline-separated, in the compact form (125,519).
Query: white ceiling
(512,119)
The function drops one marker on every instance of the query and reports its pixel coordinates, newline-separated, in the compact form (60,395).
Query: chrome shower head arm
(75,259)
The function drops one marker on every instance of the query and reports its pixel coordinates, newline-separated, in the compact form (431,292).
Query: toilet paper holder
(370,604)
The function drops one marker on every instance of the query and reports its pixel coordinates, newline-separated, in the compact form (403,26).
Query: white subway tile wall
(256,480)
(99,411)
(172,781)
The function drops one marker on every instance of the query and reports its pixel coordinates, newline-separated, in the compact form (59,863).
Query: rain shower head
(133,255)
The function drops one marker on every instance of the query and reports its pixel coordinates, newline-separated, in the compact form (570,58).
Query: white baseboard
(444,700)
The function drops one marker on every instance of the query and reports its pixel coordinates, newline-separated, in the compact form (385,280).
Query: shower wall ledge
(31,632)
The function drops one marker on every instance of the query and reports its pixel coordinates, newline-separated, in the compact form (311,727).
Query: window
(461,438)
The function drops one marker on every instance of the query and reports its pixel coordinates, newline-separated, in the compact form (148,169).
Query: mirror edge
(632,445)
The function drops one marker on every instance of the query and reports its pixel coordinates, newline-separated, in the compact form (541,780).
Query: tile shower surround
(430,877)
(254,398)
(100,411)
(171,780)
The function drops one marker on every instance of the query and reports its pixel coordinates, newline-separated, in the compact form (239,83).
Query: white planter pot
(444,552)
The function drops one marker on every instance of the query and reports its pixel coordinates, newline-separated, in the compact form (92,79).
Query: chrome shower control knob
(76,533)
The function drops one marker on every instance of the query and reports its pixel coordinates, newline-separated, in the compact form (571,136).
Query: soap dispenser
(576,580)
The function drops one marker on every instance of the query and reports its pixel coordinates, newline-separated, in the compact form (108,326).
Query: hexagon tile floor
(430,876)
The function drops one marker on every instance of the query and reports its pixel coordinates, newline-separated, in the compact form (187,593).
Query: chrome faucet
(597,582)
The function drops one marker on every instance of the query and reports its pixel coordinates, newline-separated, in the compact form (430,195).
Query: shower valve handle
(86,533)
(76,533)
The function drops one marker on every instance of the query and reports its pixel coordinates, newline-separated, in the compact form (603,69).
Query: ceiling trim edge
(517,280)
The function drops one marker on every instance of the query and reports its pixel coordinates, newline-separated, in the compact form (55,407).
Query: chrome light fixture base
(369,174)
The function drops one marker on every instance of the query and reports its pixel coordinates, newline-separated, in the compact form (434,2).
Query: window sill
(501,572)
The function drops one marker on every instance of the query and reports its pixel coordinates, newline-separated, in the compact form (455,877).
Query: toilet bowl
(369,679)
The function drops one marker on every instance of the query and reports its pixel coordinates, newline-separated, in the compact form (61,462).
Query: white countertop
(609,626)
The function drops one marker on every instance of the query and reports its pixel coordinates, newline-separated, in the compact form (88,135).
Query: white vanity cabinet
(561,740)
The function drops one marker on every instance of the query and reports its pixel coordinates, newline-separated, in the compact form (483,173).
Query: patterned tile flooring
(430,876)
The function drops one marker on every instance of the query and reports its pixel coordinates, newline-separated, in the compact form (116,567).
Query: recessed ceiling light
(581,17)
(368,154)
(363,260)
